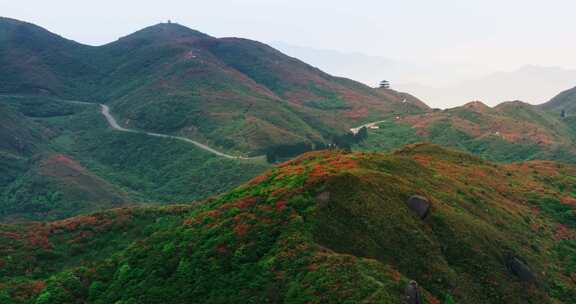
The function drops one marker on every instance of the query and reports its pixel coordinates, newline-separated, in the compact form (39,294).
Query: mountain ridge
(168,78)
(565,101)
(510,131)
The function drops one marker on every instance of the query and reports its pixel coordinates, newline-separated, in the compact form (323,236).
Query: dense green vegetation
(29,252)
(327,227)
(565,101)
(510,132)
(84,166)
(234,94)
(59,158)
(389,136)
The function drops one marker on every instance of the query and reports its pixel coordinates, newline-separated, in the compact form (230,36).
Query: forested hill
(512,131)
(234,94)
(327,227)
(564,103)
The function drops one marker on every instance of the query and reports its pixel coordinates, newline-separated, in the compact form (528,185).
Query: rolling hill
(327,227)
(565,101)
(235,94)
(59,159)
(37,182)
(36,61)
(511,131)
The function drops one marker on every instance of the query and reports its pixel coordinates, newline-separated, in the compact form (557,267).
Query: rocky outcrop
(520,269)
(412,294)
(419,205)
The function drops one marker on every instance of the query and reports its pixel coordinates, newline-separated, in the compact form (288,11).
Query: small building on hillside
(384,84)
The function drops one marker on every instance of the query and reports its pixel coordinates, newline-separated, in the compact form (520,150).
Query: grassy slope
(563,101)
(512,131)
(332,228)
(82,165)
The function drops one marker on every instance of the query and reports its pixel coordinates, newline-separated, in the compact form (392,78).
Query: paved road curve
(105,110)
(366,125)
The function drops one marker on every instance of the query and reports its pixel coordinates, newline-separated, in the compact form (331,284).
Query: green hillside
(36,61)
(234,94)
(565,101)
(60,159)
(17,142)
(327,227)
(511,131)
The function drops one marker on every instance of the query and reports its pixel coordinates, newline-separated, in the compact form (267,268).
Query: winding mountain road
(366,125)
(113,123)
(105,110)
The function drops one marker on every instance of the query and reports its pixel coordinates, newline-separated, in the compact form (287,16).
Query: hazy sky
(499,33)
(483,35)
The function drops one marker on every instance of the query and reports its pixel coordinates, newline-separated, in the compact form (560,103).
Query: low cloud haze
(442,85)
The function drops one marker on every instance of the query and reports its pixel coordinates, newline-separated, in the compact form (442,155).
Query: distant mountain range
(364,68)
(531,84)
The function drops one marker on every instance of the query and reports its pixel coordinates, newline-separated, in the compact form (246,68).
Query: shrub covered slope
(59,159)
(565,101)
(234,94)
(327,227)
(511,131)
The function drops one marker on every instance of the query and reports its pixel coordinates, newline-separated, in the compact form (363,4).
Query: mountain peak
(9,21)
(565,101)
(166,31)
(9,26)
(30,34)
(476,105)
(171,27)
(513,103)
